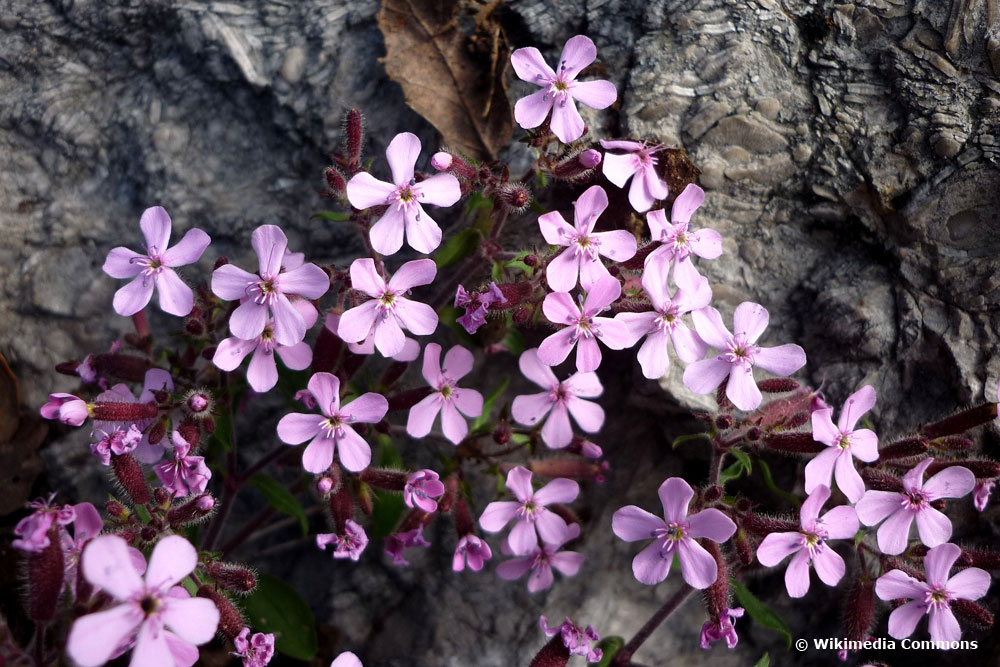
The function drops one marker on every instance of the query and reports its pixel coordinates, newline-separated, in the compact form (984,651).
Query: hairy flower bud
(712,493)
(113,411)
(324,485)
(759,524)
(230,619)
(441,160)
(954,443)
(794,443)
(590,158)
(233,578)
(717,595)
(744,551)
(515,196)
(724,422)
(513,293)
(988,560)
(501,433)
(382,478)
(161,497)
(342,506)
(575,167)
(198,402)
(860,609)
(335,181)
(879,480)
(192,511)
(405,400)
(129,475)
(116,510)
(46,570)
(463,517)
(124,366)
(753,434)
(778,385)
(353,136)
(971,612)
(553,654)
(563,467)
(904,448)
(981,468)
(961,422)
(522,315)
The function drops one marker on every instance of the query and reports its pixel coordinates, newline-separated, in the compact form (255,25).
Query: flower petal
(230,282)
(119,263)
(896,584)
(296,357)
(939,561)
(697,565)
(943,625)
(421,417)
(618,245)
(595,94)
(248,320)
(94,638)
(775,547)
(270,243)
(555,230)
(262,373)
(619,168)
(877,505)
(566,122)
(848,479)
(969,584)
(354,452)
(557,431)
(107,565)
(855,406)
(530,111)
(894,533)
(528,64)
(903,621)
(289,325)
(458,363)
(742,389)
(708,323)
(952,482)
(650,567)
(386,235)
(134,296)
(841,522)
(750,319)
(318,455)
(706,243)
(468,401)
(797,575)
(297,427)
(356,324)
(155,225)
(308,281)
(535,370)
(933,527)
(231,352)
(633,523)
(781,360)
(438,190)
(497,515)
(453,424)
(418,318)
(194,620)
(412,274)
(578,52)
(829,565)
(687,203)
(175,297)
(365,191)
(555,348)
(589,416)
(711,523)
(422,232)
(559,490)
(402,154)
(188,250)
(431,368)
(562,272)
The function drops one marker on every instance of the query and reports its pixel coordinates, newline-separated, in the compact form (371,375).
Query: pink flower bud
(590,158)
(198,402)
(324,485)
(441,161)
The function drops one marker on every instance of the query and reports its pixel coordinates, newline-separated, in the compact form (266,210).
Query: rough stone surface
(850,152)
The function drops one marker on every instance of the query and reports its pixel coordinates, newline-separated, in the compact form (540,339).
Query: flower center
(264,291)
(667,319)
(586,328)
(937,598)
(914,500)
(741,352)
(386,304)
(560,394)
(333,427)
(446,391)
(149,604)
(844,442)
(672,532)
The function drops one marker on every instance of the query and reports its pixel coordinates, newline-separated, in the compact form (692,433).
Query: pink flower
(151,610)
(900,509)
(476,306)
(933,596)
(541,560)
(185,475)
(33,530)
(447,398)
(723,628)
(350,544)
(67,408)
(270,290)
(421,489)
(472,549)
(388,311)
(256,651)
(156,380)
(843,441)
(582,326)
(663,324)
(395,544)
(561,91)
(809,544)
(533,522)
(332,430)
(647,186)
(583,245)
(739,355)
(561,399)
(577,640)
(262,374)
(156,267)
(404,197)
(981,495)
(346,659)
(410,351)
(675,533)
(678,243)
(119,441)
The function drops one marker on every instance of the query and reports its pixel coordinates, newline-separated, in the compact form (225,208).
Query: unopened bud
(124,366)
(342,506)
(522,314)
(724,422)
(590,158)
(584,447)
(860,609)
(513,294)
(794,443)
(778,385)
(754,434)
(324,485)
(798,419)
(743,549)
(335,181)
(220,261)
(381,478)
(194,327)
(971,612)
(531,260)
(234,578)
(962,422)
(191,434)
(208,424)
(441,161)
(712,493)
(198,402)
(148,534)
(463,517)
(904,448)
(759,524)
(46,570)
(231,621)
(570,468)
(192,511)
(515,195)
(574,167)
(954,443)
(161,497)
(157,431)
(129,475)
(988,560)
(553,654)
(114,411)
(717,595)
(116,510)
(405,400)
(501,433)
(981,468)
(353,136)
(327,350)
(879,480)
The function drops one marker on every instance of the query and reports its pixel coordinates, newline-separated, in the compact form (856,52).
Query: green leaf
(458,247)
(143,513)
(765,471)
(681,439)
(743,458)
(223,434)
(610,646)
(514,342)
(484,418)
(765,661)
(280,498)
(276,607)
(332,216)
(734,471)
(478,202)
(759,612)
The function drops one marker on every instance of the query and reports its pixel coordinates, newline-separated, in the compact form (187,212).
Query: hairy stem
(624,656)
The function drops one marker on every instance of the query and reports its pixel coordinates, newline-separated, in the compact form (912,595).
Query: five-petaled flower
(156,267)
(421,489)
(270,291)
(739,355)
(809,544)
(560,90)
(153,611)
(388,311)
(843,442)
(577,640)
(677,242)
(722,628)
(256,650)
(472,550)
(348,544)
(638,162)
(932,597)
(541,560)
(583,245)
(583,327)
(186,474)
(675,533)
(533,520)
(332,430)
(447,398)
(405,198)
(262,373)
(558,401)
(900,509)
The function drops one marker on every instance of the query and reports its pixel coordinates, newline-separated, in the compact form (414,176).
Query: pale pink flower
(447,398)
(256,651)
(739,355)
(533,521)
(156,380)
(981,495)
(638,161)
(388,311)
(576,639)
(185,475)
(677,242)
(410,351)
(675,533)
(558,401)
(350,544)
(262,373)
(476,306)
(33,530)
(560,91)
(723,629)
(900,509)
(582,326)
(932,597)
(67,408)
(843,442)
(541,560)
(809,544)
(663,325)
(405,198)
(346,659)
(472,549)
(270,292)
(421,490)
(584,246)
(150,609)
(156,267)
(119,441)
(332,431)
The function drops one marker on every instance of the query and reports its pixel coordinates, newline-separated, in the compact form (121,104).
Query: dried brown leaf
(455,80)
